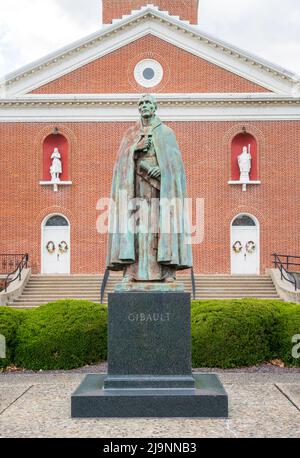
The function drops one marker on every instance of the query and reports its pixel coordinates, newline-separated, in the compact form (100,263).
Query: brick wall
(183,72)
(206,154)
(186,9)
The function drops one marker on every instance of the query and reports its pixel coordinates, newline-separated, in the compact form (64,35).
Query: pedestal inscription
(149,334)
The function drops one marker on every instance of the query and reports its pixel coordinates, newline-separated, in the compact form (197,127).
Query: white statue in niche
(56,166)
(244,160)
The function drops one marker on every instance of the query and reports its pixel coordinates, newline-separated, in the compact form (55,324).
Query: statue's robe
(173,249)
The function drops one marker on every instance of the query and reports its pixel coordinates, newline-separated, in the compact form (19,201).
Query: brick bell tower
(185,9)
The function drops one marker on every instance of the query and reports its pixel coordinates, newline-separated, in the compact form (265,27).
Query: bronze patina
(149,171)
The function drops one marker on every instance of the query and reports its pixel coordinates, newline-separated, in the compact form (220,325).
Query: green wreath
(50,247)
(63,247)
(237,247)
(250,247)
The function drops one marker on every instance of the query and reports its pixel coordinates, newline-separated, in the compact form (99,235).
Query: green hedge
(72,333)
(62,335)
(10,321)
(234,333)
(289,327)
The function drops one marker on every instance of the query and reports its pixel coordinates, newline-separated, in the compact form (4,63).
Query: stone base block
(208,399)
(150,287)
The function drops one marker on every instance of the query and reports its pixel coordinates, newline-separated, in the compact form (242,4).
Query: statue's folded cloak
(173,249)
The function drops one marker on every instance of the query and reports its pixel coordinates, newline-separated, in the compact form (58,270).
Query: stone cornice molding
(128,100)
(172,107)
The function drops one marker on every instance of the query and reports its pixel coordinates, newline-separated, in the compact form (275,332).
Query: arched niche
(55,141)
(239,141)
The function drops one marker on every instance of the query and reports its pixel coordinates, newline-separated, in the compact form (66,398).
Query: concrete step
(221,298)
(98,285)
(111,286)
(34,292)
(56,298)
(115,277)
(42,289)
(58,282)
(235,287)
(32,306)
(97,291)
(187,287)
(26,305)
(238,294)
(97,297)
(230,279)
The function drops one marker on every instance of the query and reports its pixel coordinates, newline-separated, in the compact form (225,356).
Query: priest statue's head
(147,106)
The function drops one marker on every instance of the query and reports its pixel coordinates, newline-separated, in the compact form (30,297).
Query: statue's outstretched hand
(154,172)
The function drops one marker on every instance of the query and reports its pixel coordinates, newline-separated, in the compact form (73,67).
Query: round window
(148,73)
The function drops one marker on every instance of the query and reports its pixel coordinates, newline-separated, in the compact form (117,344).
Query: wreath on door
(50,247)
(237,247)
(250,247)
(63,247)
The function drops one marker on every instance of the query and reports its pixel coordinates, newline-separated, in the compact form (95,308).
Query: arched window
(57,220)
(60,142)
(243,220)
(238,143)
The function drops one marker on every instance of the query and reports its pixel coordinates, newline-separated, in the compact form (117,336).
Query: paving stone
(257,409)
(261,411)
(9,394)
(292,391)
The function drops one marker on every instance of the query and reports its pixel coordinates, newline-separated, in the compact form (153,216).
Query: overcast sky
(30,29)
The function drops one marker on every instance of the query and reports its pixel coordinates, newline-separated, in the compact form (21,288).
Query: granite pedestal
(149,363)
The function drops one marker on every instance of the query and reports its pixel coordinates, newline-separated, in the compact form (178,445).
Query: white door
(244,246)
(56,246)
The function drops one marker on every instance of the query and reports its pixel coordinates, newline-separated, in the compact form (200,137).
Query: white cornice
(132,99)
(149,20)
(172,107)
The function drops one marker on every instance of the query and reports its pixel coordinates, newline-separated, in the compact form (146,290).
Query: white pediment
(149,20)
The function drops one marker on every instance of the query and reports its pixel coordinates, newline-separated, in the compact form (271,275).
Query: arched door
(55,245)
(244,245)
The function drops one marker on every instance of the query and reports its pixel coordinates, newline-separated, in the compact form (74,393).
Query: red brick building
(217,99)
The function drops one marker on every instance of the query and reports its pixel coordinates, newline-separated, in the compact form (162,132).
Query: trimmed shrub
(62,335)
(290,326)
(72,333)
(10,319)
(234,333)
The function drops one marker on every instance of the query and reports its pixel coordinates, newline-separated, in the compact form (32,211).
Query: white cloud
(30,29)
(268,28)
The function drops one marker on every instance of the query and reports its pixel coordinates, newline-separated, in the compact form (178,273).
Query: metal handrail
(106,277)
(103,285)
(288,255)
(17,272)
(288,261)
(9,261)
(193,283)
(287,275)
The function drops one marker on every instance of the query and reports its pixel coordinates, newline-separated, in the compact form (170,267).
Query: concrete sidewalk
(261,405)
